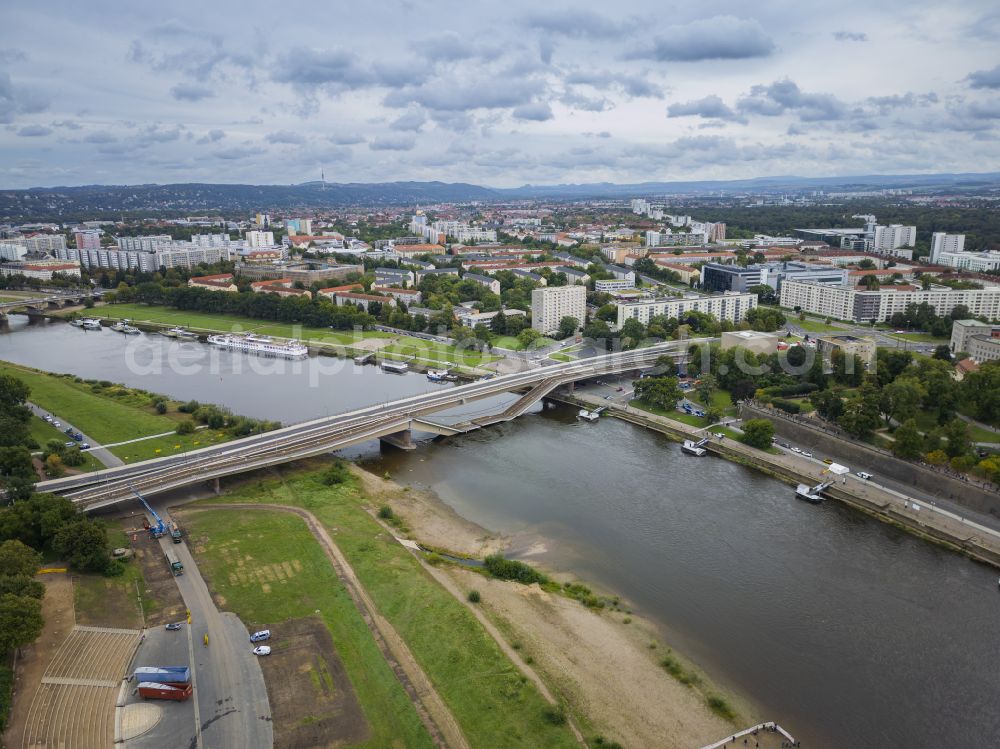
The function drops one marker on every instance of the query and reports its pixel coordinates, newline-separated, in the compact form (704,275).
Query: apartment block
(549,305)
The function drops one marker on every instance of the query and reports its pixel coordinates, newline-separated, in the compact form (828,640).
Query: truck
(152,690)
(175,532)
(174,676)
(175,564)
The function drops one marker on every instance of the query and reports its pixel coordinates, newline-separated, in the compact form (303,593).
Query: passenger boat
(261,345)
(811,494)
(588,415)
(437,375)
(694,448)
(395,367)
(91,323)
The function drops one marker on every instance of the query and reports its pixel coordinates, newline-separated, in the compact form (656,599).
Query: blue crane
(154,530)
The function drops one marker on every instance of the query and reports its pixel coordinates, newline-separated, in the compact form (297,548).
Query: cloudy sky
(499,93)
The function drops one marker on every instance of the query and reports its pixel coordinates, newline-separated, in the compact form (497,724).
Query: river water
(847,631)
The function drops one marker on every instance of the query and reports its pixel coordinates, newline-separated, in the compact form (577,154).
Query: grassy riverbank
(267,568)
(111,413)
(492,702)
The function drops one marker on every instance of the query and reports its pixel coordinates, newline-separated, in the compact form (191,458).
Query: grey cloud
(536,111)
(578,23)
(15,100)
(34,131)
(850,36)
(175,47)
(588,104)
(236,152)
(708,107)
(445,95)
(343,70)
(985,78)
(785,96)
(68,124)
(99,136)
(212,136)
(393,142)
(634,85)
(191,92)
(410,121)
(285,136)
(984,110)
(716,38)
(458,122)
(9,55)
(345,140)
(452,47)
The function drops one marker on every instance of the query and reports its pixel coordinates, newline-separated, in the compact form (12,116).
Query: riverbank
(608,665)
(923,519)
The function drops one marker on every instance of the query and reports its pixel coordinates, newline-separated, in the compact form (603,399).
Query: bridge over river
(392,422)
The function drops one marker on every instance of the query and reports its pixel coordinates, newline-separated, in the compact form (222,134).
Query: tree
(861,412)
(18,559)
(742,390)
(870,282)
(499,323)
(765,294)
(632,333)
(54,466)
(185,427)
(21,585)
(908,443)
(943,352)
(84,544)
(956,432)
(705,388)
(758,433)
(662,392)
(981,389)
(828,404)
(568,326)
(901,399)
(20,621)
(528,336)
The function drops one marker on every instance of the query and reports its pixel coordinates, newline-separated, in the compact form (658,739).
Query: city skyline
(498,96)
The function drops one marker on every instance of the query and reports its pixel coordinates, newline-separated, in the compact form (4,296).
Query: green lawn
(919,338)
(435,352)
(689,419)
(494,704)
(561,357)
(511,342)
(225,541)
(203,321)
(813,326)
(108,419)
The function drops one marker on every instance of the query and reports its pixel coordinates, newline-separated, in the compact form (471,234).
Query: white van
(863,475)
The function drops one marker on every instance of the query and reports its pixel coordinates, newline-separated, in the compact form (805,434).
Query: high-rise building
(88,240)
(551,304)
(941,242)
(893,236)
(260,238)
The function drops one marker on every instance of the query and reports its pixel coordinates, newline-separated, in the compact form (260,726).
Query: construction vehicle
(160,527)
(175,532)
(175,564)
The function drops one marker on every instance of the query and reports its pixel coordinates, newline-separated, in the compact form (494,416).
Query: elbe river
(848,632)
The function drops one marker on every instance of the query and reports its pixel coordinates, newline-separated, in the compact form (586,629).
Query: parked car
(863,475)
(56,424)
(84,445)
(828,461)
(264,634)
(173,627)
(70,444)
(77,437)
(806,454)
(262,650)
(47,418)
(68,430)
(796,450)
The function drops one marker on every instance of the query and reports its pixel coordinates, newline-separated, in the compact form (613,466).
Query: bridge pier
(402,440)
(216,486)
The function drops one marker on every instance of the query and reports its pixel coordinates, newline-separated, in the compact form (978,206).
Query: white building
(12,252)
(975,262)
(41,243)
(980,340)
(549,305)
(890,237)
(848,303)
(174,255)
(609,285)
(143,244)
(730,306)
(941,242)
(260,238)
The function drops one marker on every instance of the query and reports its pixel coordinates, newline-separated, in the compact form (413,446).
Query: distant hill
(112,201)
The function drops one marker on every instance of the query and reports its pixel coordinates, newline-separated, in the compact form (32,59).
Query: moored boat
(91,323)
(694,448)
(437,375)
(588,415)
(811,494)
(261,345)
(395,367)
(122,326)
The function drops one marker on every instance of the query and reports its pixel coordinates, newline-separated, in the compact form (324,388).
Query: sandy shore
(604,665)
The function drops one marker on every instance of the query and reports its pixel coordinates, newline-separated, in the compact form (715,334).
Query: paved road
(105,456)
(230,709)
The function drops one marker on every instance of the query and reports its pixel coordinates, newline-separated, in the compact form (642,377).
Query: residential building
(265,255)
(490,283)
(684,272)
(41,243)
(331,291)
(411,250)
(471,317)
(751,340)
(975,262)
(279,286)
(9,251)
(621,273)
(893,236)
(181,255)
(260,239)
(863,348)
(394,277)
(41,269)
(407,296)
(571,260)
(88,240)
(848,303)
(530,275)
(216,282)
(610,285)
(306,273)
(942,242)
(549,305)
(362,300)
(981,341)
(732,306)
(425,273)
(573,275)
(149,243)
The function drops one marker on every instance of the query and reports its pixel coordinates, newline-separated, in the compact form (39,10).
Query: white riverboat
(122,326)
(180,333)
(91,323)
(261,345)
(694,448)
(395,367)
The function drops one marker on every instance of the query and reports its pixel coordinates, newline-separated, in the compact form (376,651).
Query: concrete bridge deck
(393,420)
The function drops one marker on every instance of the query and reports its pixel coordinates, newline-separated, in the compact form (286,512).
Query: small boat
(76,323)
(811,494)
(437,375)
(395,367)
(91,323)
(694,448)
(122,326)
(180,333)
(361,359)
(588,415)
